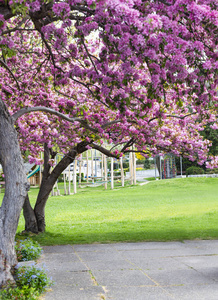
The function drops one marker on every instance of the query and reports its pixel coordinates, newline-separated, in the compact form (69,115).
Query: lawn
(175,209)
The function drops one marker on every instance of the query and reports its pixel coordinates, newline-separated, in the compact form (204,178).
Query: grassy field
(165,210)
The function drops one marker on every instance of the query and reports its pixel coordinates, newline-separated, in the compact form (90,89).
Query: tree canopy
(149,66)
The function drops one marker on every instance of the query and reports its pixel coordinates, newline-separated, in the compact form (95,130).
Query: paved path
(134,271)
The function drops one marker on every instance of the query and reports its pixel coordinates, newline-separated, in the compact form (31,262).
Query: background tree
(211,133)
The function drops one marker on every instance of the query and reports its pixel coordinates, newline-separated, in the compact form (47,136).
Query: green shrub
(24,293)
(194,171)
(30,283)
(32,277)
(140,161)
(147,164)
(212,171)
(27,250)
(186,163)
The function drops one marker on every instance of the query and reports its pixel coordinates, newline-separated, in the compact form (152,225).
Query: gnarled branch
(27,110)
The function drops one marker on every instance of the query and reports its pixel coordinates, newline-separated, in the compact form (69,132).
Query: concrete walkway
(133,271)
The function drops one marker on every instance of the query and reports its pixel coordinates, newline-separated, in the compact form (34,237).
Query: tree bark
(158,164)
(29,216)
(16,187)
(35,218)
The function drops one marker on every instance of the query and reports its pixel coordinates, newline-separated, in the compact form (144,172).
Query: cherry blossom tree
(92,123)
(150,65)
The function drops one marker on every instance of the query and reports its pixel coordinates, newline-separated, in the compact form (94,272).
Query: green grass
(175,209)
(151,178)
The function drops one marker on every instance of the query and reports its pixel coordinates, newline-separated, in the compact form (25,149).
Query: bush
(212,171)
(186,163)
(30,281)
(194,170)
(27,250)
(147,164)
(25,293)
(32,277)
(140,161)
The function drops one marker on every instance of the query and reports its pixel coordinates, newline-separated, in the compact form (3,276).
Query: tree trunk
(16,187)
(30,218)
(158,164)
(35,219)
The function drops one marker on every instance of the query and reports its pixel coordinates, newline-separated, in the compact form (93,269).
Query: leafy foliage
(194,170)
(212,135)
(212,171)
(32,277)
(186,163)
(24,293)
(27,250)
(30,281)
(123,72)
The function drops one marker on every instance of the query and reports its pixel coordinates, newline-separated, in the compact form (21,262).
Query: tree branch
(5,11)
(46,160)
(26,110)
(174,116)
(103,150)
(63,94)
(128,144)
(83,42)
(8,69)
(117,145)
(164,2)
(17,27)
(110,123)
(91,92)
